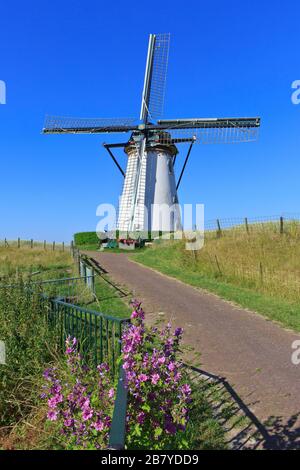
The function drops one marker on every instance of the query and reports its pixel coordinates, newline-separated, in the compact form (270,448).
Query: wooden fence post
(63,246)
(53,246)
(218,265)
(19,242)
(261,272)
(281,225)
(31,243)
(219,230)
(45,245)
(246,224)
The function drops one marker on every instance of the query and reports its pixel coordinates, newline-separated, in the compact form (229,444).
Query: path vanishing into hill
(251,352)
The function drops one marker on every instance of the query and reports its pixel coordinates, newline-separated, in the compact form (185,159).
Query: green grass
(88,247)
(56,265)
(276,296)
(29,260)
(109,300)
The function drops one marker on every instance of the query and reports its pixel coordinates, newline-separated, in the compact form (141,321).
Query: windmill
(149,181)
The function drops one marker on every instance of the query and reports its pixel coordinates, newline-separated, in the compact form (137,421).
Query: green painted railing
(99,335)
(67,287)
(118,424)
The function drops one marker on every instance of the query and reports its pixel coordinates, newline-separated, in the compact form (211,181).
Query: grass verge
(168,260)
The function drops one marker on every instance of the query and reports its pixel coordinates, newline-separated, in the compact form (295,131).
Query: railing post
(117,430)
(82,269)
(93,280)
(88,279)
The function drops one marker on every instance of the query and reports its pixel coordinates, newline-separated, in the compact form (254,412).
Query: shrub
(159,397)
(86,238)
(80,399)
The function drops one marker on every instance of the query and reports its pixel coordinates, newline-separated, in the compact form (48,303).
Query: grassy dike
(217,268)
(31,347)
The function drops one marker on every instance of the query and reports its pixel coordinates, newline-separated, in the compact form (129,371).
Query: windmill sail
(155,77)
(71,125)
(209,131)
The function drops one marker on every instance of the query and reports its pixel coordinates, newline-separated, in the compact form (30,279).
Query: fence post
(246,224)
(281,225)
(45,245)
(19,242)
(217,261)
(63,246)
(219,230)
(6,243)
(261,272)
(72,248)
(53,246)
(31,243)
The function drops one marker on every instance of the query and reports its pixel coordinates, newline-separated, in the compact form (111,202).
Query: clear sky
(78,58)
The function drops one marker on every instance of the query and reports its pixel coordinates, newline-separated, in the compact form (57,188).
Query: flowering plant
(80,401)
(158,396)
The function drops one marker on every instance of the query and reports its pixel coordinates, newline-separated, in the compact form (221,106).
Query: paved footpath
(252,353)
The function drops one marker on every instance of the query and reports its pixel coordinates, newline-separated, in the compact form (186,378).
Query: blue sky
(87,59)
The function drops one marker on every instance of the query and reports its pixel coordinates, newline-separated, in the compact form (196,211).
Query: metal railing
(99,335)
(75,288)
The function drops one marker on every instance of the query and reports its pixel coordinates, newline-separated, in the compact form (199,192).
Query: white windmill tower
(149,200)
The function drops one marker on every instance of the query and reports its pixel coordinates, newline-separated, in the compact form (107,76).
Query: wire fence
(250,224)
(259,276)
(45,245)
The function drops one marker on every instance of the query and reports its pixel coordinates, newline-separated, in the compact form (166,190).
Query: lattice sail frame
(159,75)
(61,124)
(211,131)
(213,135)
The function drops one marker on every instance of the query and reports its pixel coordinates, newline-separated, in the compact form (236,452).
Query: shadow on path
(276,433)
